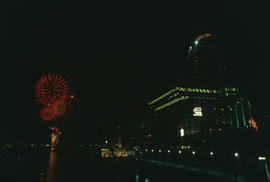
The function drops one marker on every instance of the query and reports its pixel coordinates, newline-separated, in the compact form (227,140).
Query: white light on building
(197,111)
(182,132)
(261,158)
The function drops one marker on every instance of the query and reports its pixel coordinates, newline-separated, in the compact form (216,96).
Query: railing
(249,166)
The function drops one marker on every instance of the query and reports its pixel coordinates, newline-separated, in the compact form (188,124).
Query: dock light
(236,154)
(260,158)
(211,153)
(152,150)
(193,152)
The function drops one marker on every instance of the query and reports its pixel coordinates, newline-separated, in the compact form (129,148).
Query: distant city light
(236,154)
(196,42)
(152,150)
(193,152)
(179,152)
(159,150)
(106,141)
(211,153)
(145,150)
(169,151)
(261,158)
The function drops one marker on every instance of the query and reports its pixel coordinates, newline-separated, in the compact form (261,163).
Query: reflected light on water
(51,167)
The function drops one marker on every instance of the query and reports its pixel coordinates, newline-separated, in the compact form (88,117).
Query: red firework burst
(47,114)
(51,88)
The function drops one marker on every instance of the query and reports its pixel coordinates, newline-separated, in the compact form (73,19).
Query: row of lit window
(176,94)
(164,95)
(192,90)
(227,94)
(231,89)
(209,98)
(172,102)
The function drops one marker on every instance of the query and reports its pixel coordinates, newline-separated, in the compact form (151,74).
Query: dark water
(54,167)
(45,166)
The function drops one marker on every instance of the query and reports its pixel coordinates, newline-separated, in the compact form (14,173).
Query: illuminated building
(204,103)
(192,110)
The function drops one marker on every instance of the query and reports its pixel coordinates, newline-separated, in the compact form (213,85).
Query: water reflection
(51,167)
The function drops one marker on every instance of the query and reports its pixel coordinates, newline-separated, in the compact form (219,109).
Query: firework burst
(47,114)
(50,89)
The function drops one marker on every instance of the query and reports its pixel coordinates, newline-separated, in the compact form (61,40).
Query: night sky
(118,56)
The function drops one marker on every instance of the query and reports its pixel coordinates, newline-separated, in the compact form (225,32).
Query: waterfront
(46,166)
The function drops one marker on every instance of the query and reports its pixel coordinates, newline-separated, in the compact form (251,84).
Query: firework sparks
(51,88)
(47,114)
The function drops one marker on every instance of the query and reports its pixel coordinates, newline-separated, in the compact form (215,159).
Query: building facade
(189,111)
(206,101)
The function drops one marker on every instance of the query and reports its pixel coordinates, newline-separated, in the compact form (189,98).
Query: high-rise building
(205,63)
(206,103)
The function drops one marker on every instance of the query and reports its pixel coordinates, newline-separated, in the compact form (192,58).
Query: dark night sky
(118,56)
